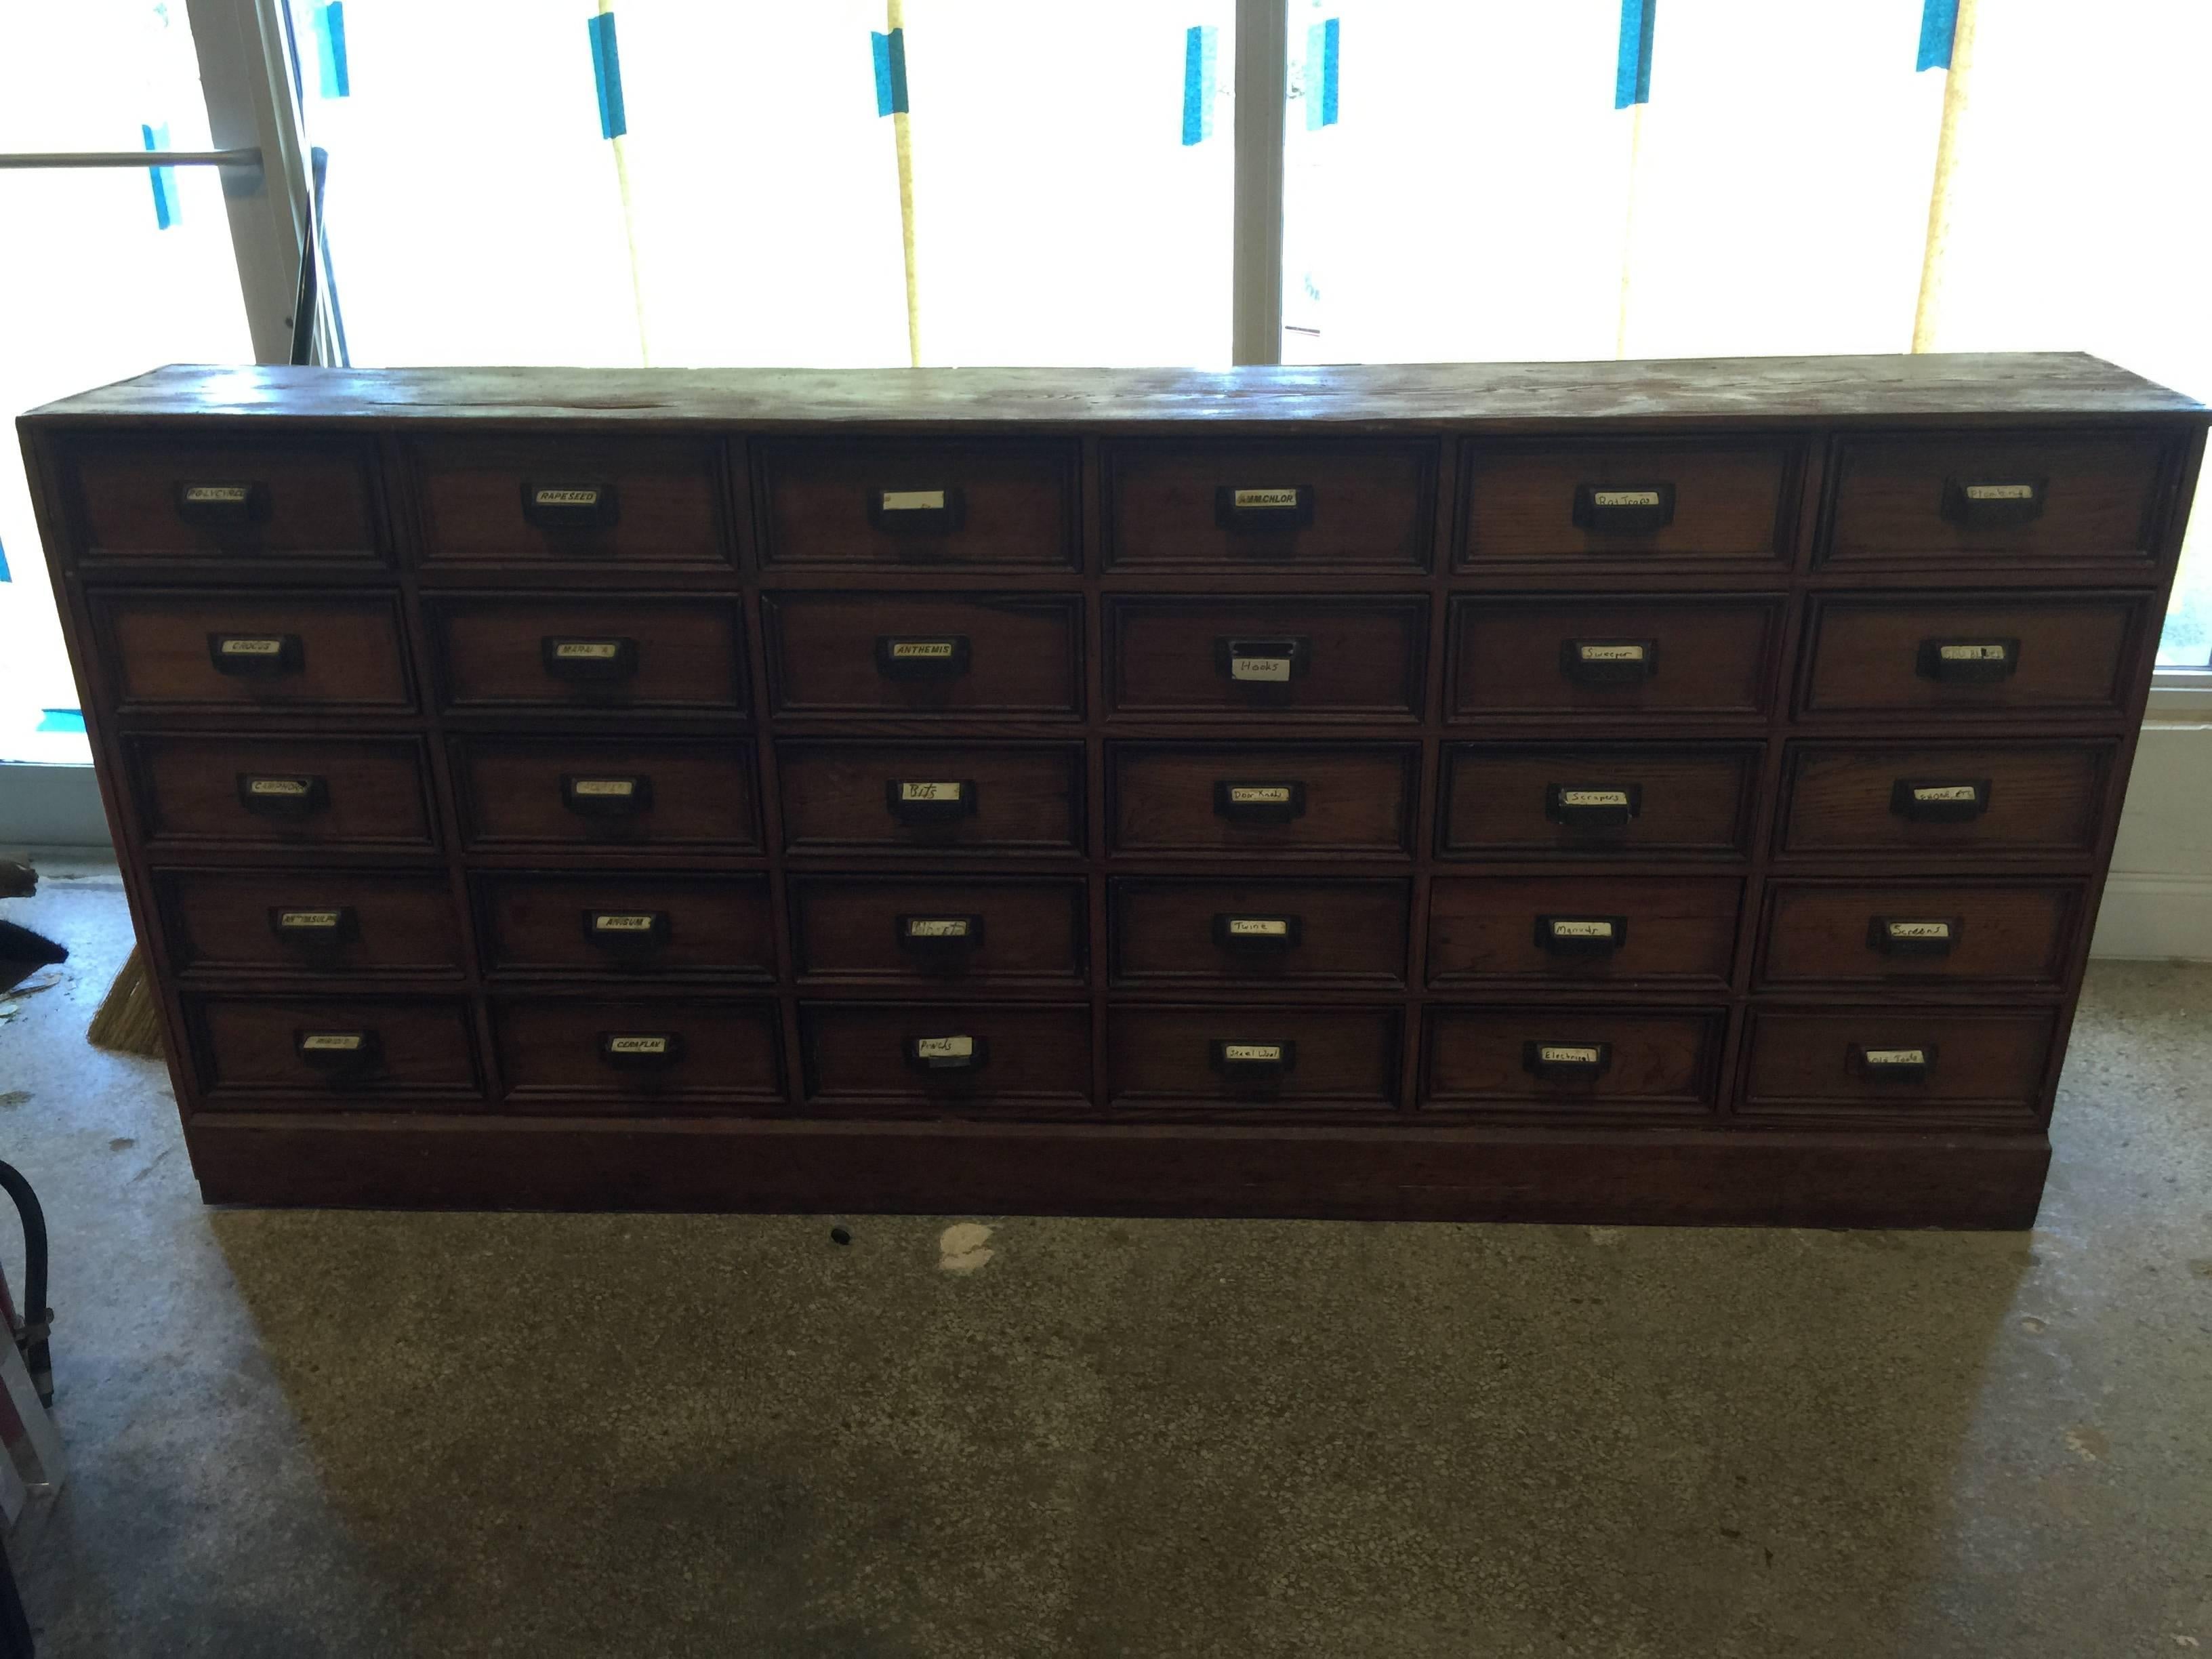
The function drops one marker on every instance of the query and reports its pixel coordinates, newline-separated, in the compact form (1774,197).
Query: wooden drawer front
(1944,1066)
(1526,801)
(580,501)
(1654,503)
(674,655)
(2041,653)
(266,652)
(266,792)
(1671,656)
(366,1052)
(1571,1062)
(308,921)
(1990,501)
(1241,505)
(951,1057)
(1171,932)
(190,498)
(1583,929)
(668,1053)
(1243,1057)
(926,930)
(1263,800)
(1266,657)
(626,926)
(620,792)
(924,653)
(1930,932)
(919,502)
(1948,798)
(895,797)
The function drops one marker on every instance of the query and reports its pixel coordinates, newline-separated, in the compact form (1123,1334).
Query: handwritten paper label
(1259,927)
(1269,499)
(331,1042)
(1947,792)
(944,1048)
(1260,668)
(1897,1056)
(1563,929)
(637,1045)
(2000,492)
(1265,1052)
(615,787)
(937,927)
(1972,652)
(1917,929)
(930,790)
(587,650)
(1593,798)
(913,501)
(1567,1053)
(1610,653)
(1625,498)
(1260,794)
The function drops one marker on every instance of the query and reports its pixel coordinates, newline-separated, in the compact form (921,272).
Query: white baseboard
(50,807)
(2155,919)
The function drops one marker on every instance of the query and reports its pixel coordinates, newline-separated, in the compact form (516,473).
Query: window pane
(106,278)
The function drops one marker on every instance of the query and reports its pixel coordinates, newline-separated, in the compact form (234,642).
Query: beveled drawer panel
(2038,653)
(671,656)
(1936,799)
(1640,656)
(324,791)
(1898,1066)
(271,653)
(1966,933)
(1263,800)
(1576,1063)
(1173,931)
(555,503)
(371,1052)
(925,654)
(1246,1057)
(946,1058)
(1645,503)
(626,925)
(635,792)
(290,922)
(1236,505)
(930,502)
(935,930)
(1638,798)
(1360,658)
(637,1054)
(896,797)
(1583,929)
(197,498)
(1990,501)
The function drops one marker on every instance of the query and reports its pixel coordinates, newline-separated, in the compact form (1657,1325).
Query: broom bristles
(130,1018)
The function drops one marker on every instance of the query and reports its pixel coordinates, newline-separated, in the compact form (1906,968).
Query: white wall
(2158,901)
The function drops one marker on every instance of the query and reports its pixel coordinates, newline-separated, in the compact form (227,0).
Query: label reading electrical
(2000,492)
(1567,1053)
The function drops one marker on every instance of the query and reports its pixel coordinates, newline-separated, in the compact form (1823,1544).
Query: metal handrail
(134,158)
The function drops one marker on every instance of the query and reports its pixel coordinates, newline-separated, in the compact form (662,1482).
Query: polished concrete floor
(339,1434)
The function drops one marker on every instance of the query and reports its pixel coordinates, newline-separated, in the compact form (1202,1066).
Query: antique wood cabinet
(1614,791)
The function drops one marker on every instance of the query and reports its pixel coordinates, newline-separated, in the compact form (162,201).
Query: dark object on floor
(130,1019)
(38,1317)
(23,952)
(839,1235)
(17,879)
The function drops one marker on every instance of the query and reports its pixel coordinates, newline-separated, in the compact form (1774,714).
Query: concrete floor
(339,1434)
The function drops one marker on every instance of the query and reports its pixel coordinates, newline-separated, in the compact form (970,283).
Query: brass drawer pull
(943,658)
(1592,806)
(1903,936)
(1623,509)
(1270,508)
(1581,936)
(222,503)
(571,506)
(590,662)
(1259,803)
(292,797)
(605,797)
(340,1056)
(918,511)
(316,934)
(1936,800)
(1968,662)
(1892,1065)
(912,801)
(1609,662)
(1991,504)
(938,939)
(1263,662)
(628,935)
(955,1056)
(1567,1062)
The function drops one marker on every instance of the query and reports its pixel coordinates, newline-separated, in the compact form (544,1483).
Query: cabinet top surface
(1708,392)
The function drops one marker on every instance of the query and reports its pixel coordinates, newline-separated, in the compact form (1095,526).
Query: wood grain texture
(2015,937)
(666,501)
(1984,1068)
(225,924)
(1706,657)
(1731,501)
(1337,1058)
(715,1054)
(2068,654)
(544,924)
(1672,931)
(1346,657)
(700,796)
(1020,657)
(1173,932)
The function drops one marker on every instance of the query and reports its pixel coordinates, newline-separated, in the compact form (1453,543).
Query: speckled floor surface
(304,1434)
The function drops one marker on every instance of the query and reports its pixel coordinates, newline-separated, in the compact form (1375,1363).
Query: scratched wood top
(1739,391)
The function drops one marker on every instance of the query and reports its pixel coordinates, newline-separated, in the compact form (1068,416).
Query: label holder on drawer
(1566,1062)
(934,512)
(318,935)
(1262,662)
(291,795)
(570,506)
(1897,1064)
(940,940)
(605,797)
(1968,662)
(589,661)
(1940,800)
(940,657)
(641,1051)
(1593,805)
(1258,935)
(1249,1060)
(948,1057)
(1623,509)
(1986,503)
(1609,664)
(1581,936)
(628,935)
(1914,936)
(1263,508)
(257,656)
(340,1056)
(920,801)
(1259,802)
(211,504)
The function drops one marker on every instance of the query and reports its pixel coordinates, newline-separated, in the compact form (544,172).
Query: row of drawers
(1982,499)
(852,797)
(1919,1066)
(1189,933)
(941,656)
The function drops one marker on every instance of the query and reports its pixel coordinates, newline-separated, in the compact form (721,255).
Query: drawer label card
(912,500)
(331,1042)
(1917,929)
(217,494)
(1259,927)
(2000,492)
(1593,798)
(1264,500)
(587,650)
(1260,794)
(1610,653)
(939,927)
(624,921)
(239,645)
(1275,668)
(607,789)
(1991,652)
(1564,927)
(1947,792)
(309,919)
(930,790)
(566,495)
(1568,1053)
(637,1045)
(1626,498)
(286,787)
(922,650)
(944,1048)
(1266,1053)
(1896,1056)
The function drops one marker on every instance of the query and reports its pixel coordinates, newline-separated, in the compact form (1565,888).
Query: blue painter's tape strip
(331,51)
(166,209)
(606,71)
(1939,25)
(1200,47)
(61,720)
(1320,74)
(3,565)
(890,72)
(1632,77)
